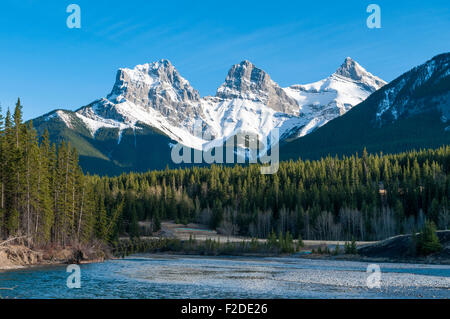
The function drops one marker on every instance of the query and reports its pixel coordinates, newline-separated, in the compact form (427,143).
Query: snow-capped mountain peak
(156,95)
(244,81)
(352,70)
(147,82)
(153,94)
(333,96)
(247,82)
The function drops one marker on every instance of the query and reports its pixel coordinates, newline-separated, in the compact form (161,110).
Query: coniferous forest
(367,197)
(46,198)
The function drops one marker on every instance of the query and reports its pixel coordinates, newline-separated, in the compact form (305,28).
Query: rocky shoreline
(20,256)
(392,250)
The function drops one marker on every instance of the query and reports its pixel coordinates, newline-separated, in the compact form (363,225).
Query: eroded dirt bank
(19,256)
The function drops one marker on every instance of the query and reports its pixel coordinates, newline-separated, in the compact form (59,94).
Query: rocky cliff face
(246,82)
(158,86)
(350,69)
(146,89)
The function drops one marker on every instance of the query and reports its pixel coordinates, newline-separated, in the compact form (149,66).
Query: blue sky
(51,66)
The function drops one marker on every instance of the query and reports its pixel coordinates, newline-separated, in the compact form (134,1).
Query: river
(186,277)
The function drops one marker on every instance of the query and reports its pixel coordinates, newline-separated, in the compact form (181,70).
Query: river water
(167,276)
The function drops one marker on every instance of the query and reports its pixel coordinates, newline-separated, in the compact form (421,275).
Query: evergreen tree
(101,231)
(428,241)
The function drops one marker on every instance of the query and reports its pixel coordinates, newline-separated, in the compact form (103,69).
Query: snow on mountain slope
(151,94)
(64,116)
(127,115)
(329,98)
(407,96)
(249,101)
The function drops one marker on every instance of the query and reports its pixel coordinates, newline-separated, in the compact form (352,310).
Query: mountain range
(151,107)
(411,112)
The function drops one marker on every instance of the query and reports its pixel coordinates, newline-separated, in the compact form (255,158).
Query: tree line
(367,197)
(44,196)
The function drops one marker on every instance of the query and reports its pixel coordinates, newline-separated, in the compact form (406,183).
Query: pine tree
(18,162)
(428,241)
(101,230)
(10,177)
(45,215)
(31,177)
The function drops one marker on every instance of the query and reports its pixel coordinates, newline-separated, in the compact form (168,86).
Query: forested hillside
(366,197)
(45,198)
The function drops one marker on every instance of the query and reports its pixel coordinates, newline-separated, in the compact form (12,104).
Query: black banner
(227,308)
